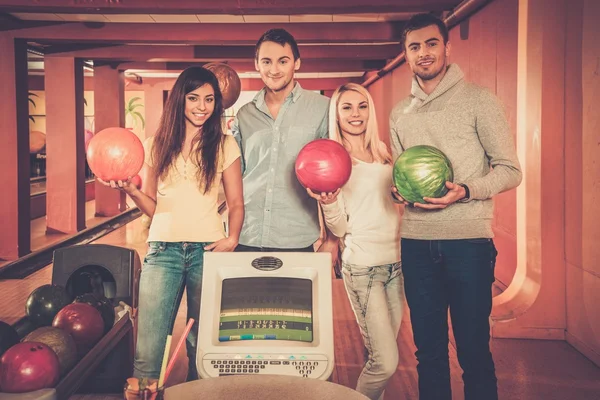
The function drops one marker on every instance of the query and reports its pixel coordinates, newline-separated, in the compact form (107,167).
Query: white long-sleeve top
(365,217)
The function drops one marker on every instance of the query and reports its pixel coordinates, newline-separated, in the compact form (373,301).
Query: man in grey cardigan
(448,254)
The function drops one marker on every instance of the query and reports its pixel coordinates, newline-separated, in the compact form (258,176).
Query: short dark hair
(420,21)
(280,36)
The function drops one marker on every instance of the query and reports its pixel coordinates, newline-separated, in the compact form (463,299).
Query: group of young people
(441,257)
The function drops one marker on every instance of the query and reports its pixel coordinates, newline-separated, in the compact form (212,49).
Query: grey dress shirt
(278,211)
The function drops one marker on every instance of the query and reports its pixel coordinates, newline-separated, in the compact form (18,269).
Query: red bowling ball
(115,154)
(88,136)
(323,165)
(28,366)
(83,322)
(137,181)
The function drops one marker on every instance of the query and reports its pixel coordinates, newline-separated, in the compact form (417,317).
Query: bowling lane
(14,292)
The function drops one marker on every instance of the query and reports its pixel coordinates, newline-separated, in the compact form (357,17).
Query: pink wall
(582,153)
(485,47)
(38,202)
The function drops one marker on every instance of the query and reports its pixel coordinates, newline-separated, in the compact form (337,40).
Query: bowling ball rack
(87,375)
(84,373)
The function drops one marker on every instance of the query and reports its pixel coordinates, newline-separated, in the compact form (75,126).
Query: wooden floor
(526,369)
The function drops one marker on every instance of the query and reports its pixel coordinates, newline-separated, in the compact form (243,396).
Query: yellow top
(184,213)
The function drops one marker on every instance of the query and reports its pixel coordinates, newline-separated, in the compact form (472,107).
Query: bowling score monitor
(266,313)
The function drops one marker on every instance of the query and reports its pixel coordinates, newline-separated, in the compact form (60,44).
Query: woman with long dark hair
(186,161)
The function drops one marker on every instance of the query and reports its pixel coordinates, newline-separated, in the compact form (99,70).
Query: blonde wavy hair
(375,146)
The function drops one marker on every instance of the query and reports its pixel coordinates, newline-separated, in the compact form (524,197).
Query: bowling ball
(115,154)
(137,181)
(44,302)
(29,366)
(87,279)
(60,342)
(422,171)
(229,82)
(323,165)
(8,337)
(83,322)
(24,326)
(88,136)
(37,141)
(103,305)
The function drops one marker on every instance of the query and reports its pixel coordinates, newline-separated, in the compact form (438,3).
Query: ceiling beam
(72,49)
(363,51)
(9,22)
(310,65)
(212,33)
(234,7)
(207,53)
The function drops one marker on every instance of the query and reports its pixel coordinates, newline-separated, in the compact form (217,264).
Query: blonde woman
(364,216)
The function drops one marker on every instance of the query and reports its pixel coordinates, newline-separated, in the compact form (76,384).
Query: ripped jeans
(377,297)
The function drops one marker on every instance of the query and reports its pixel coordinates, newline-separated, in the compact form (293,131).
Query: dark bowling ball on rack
(24,326)
(60,342)
(8,337)
(87,279)
(45,302)
(29,366)
(103,305)
(83,322)
(107,312)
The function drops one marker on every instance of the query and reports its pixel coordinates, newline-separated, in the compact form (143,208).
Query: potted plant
(29,97)
(134,116)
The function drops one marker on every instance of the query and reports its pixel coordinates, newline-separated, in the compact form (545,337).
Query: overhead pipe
(454,17)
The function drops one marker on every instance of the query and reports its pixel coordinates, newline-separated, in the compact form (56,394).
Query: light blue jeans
(168,269)
(377,297)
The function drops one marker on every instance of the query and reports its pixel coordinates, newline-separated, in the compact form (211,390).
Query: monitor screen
(266,308)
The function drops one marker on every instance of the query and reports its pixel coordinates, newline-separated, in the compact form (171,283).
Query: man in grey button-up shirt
(271,130)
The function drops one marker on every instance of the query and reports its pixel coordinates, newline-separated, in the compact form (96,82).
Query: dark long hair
(170,136)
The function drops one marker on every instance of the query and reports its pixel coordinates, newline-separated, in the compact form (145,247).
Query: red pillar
(109,111)
(65,162)
(153,105)
(15,235)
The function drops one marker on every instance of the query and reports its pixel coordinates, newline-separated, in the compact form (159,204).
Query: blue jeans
(168,269)
(454,274)
(377,298)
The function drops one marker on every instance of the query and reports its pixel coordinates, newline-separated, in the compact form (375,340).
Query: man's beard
(429,75)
